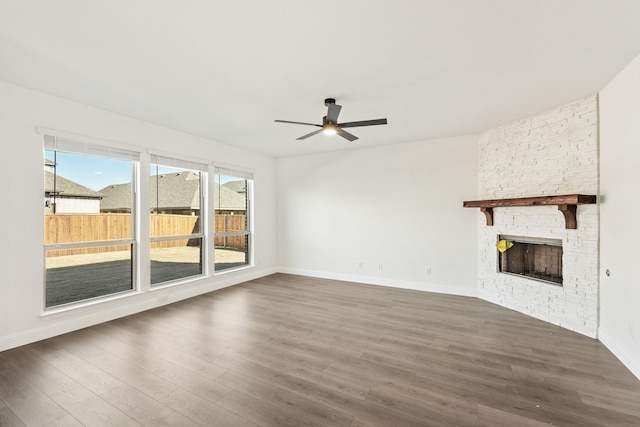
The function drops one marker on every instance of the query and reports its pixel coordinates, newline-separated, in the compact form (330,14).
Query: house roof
(116,197)
(67,188)
(227,199)
(237,186)
(179,191)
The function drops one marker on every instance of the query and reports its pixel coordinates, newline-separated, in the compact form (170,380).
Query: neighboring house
(237,186)
(231,197)
(62,195)
(179,195)
(116,198)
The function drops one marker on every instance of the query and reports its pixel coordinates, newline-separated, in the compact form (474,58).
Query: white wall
(549,154)
(619,216)
(21,221)
(398,206)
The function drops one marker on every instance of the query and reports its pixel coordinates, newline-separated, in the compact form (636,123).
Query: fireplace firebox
(535,258)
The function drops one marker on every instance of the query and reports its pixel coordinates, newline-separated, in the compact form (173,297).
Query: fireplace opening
(536,258)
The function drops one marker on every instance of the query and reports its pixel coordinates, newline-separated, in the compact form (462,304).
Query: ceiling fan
(330,125)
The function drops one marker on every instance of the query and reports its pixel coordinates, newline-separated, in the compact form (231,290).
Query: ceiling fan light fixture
(330,124)
(329,129)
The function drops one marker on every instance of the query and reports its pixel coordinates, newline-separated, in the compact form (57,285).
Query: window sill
(57,312)
(233,270)
(178,282)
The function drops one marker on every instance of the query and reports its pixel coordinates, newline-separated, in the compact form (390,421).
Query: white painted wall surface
(619,216)
(388,215)
(21,229)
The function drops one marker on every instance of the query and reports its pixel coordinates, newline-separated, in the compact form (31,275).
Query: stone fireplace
(550,154)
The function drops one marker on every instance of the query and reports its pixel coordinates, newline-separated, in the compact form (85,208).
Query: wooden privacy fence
(73,227)
(226,223)
(173,225)
(70,227)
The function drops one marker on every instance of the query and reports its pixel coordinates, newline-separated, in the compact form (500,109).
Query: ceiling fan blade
(315,132)
(297,123)
(346,135)
(334,111)
(363,123)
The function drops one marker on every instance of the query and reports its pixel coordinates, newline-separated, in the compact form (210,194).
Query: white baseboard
(632,363)
(72,320)
(382,281)
(218,282)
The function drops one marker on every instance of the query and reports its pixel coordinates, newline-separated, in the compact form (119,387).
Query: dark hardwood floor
(295,351)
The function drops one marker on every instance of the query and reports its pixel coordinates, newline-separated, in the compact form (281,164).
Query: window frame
(249,231)
(140,239)
(53,141)
(191,165)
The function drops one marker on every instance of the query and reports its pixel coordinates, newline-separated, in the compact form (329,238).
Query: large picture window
(232,201)
(88,250)
(176,225)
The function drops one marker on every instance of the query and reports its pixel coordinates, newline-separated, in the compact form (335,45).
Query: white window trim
(175,160)
(83,139)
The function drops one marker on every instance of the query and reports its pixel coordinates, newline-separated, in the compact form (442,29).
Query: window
(232,201)
(176,225)
(92,226)
(88,249)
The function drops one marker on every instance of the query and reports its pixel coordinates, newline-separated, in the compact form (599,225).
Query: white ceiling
(226,69)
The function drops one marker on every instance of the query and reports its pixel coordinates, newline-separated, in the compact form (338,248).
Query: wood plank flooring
(288,350)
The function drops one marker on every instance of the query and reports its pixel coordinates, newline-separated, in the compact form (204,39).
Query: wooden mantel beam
(566,204)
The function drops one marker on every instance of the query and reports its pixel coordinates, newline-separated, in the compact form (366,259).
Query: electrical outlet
(428,271)
(380,266)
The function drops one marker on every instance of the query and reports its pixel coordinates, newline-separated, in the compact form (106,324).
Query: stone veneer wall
(552,153)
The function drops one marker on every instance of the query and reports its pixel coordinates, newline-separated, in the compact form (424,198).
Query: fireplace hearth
(535,258)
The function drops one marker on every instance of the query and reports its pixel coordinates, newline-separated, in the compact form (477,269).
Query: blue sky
(98,172)
(91,171)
